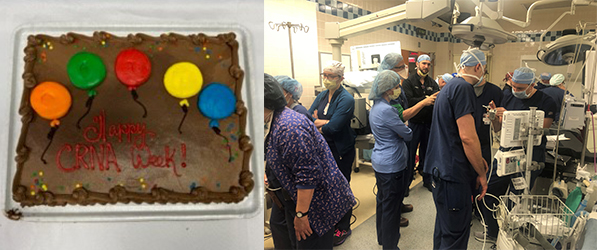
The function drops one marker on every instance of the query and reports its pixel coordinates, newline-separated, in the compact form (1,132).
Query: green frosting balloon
(86,70)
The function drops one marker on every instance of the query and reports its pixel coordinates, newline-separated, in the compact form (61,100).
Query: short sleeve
(462,100)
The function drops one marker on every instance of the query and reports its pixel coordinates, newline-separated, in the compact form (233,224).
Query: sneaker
(428,186)
(480,236)
(340,236)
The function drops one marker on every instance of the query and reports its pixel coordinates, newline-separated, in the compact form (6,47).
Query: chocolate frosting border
(119,194)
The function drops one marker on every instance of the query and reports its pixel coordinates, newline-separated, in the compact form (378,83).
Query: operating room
(324,51)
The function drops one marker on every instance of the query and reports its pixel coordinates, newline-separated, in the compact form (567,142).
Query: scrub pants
(453,218)
(390,193)
(344,163)
(498,186)
(282,226)
(420,135)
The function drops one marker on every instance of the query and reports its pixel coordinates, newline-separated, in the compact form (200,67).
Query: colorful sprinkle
(32,193)
(208,52)
(206,56)
(197,49)
(41,173)
(36,181)
(44,45)
(109,179)
(44,187)
(34,174)
(32,187)
(193,186)
(233,137)
(78,185)
(220,57)
(51,47)
(160,48)
(204,48)
(141,179)
(143,186)
(218,184)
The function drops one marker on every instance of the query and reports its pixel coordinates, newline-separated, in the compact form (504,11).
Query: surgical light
(481,32)
(566,50)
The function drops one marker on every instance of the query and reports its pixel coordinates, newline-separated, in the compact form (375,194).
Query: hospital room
(430,124)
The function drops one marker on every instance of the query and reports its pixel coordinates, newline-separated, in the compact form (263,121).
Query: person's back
(557,94)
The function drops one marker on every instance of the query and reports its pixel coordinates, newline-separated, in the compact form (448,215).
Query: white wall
(304,45)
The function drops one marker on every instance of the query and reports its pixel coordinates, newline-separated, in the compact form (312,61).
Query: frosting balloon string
(218,132)
(51,138)
(185,109)
(88,106)
(135,98)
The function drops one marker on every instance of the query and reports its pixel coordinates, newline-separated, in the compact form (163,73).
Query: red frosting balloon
(132,68)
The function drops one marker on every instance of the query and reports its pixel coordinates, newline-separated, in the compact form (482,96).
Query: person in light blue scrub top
(454,160)
(389,157)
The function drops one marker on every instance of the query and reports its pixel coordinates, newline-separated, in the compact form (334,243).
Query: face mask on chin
(329,84)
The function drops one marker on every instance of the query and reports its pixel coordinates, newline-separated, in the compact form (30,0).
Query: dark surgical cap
(273,94)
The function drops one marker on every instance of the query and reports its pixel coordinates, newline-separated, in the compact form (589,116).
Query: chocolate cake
(137,118)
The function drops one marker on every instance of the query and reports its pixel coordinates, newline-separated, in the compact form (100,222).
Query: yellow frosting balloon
(51,100)
(183,80)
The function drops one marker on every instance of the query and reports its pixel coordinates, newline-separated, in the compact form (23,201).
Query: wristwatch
(300,214)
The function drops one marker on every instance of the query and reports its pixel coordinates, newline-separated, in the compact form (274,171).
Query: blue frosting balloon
(216,101)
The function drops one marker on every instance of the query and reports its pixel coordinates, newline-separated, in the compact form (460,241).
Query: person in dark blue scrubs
(292,92)
(543,81)
(522,96)
(417,88)
(454,158)
(486,93)
(333,109)
(557,91)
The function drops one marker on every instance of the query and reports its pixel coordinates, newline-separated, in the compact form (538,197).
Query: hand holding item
(315,114)
(302,230)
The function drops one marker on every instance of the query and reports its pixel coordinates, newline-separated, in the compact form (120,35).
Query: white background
(213,234)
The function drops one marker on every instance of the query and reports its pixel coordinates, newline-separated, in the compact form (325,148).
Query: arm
(393,122)
(313,107)
(341,116)
(412,111)
(472,149)
(301,225)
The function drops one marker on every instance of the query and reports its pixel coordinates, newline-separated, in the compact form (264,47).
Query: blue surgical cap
(468,57)
(556,80)
(545,76)
(447,77)
(423,57)
(383,82)
(389,61)
(291,86)
(523,75)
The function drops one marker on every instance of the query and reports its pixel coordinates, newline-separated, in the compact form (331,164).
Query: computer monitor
(515,126)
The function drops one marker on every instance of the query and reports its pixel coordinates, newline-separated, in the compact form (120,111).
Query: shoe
(480,237)
(428,186)
(407,208)
(340,236)
(403,222)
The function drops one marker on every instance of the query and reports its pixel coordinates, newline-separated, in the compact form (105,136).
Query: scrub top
(490,93)
(557,94)
(542,102)
(445,151)
(302,110)
(390,154)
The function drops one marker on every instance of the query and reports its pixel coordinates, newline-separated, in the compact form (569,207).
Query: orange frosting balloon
(51,100)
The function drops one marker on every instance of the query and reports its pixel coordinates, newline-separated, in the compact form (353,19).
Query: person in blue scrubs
(292,92)
(522,96)
(454,159)
(556,91)
(543,80)
(389,157)
(486,93)
(417,87)
(394,62)
(333,109)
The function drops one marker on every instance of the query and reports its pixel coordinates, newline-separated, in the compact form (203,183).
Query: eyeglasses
(324,75)
(400,67)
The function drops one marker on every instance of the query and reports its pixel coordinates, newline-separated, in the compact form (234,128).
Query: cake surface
(122,137)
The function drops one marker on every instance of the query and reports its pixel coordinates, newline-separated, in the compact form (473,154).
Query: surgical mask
(395,94)
(403,73)
(329,84)
(522,94)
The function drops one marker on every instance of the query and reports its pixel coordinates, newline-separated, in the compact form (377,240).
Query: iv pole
(295,27)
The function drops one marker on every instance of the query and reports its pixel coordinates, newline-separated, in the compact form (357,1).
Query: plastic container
(574,198)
